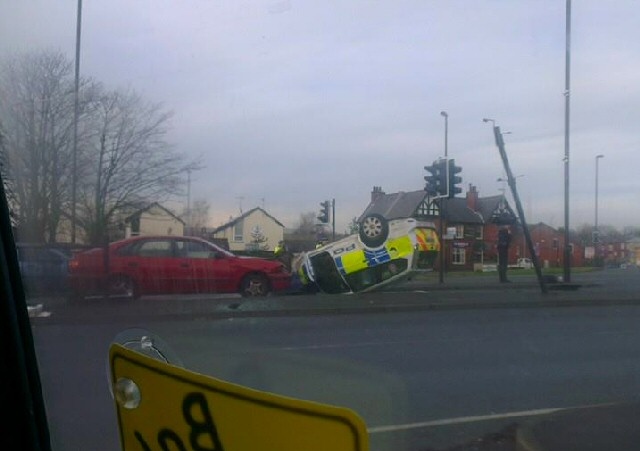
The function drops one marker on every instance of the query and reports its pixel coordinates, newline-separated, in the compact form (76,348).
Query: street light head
(599,156)
(444,113)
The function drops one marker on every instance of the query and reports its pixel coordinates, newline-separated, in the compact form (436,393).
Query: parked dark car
(44,268)
(172,265)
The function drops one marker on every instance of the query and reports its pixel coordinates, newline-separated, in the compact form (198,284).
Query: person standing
(504,240)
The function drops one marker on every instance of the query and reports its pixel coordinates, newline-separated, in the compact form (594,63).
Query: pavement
(424,292)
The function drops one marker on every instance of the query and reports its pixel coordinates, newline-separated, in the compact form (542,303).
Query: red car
(172,264)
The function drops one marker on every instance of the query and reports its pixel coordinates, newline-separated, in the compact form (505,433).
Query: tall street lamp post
(596,234)
(76,108)
(567,97)
(446,132)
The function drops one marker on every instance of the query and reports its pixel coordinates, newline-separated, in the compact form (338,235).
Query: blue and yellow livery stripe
(376,257)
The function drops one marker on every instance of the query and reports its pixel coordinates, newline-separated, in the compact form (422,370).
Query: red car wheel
(254,285)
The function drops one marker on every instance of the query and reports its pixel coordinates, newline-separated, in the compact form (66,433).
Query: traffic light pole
(442,184)
(333,219)
(442,241)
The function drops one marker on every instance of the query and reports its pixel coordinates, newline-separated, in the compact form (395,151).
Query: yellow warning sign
(164,407)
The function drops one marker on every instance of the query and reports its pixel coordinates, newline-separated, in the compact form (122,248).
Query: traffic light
(436,182)
(454,179)
(324,212)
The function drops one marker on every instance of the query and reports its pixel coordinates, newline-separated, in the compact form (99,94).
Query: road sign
(161,406)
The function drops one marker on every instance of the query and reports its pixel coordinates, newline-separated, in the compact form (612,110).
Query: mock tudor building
(471,223)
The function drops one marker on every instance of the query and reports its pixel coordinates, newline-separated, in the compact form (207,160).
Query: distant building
(154,219)
(254,230)
(633,246)
(548,244)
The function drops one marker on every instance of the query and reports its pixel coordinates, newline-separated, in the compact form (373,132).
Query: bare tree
(34,89)
(197,217)
(37,112)
(307,224)
(124,160)
(7,184)
(353,226)
(132,161)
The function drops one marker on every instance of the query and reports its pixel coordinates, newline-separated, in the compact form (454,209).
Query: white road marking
(376,343)
(473,419)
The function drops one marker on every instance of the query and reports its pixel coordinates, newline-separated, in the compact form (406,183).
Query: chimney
(377,193)
(472,197)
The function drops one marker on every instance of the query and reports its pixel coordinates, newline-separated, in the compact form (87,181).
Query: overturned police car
(382,252)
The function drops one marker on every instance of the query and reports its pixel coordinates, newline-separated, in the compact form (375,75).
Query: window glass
(238,231)
(459,255)
(327,275)
(193,249)
(154,248)
(370,276)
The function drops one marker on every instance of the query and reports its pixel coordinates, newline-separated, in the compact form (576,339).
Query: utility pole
(333,219)
(189,217)
(76,113)
(567,97)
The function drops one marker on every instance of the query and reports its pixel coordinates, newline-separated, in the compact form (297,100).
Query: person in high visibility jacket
(281,253)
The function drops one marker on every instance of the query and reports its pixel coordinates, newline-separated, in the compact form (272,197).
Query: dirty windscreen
(170,164)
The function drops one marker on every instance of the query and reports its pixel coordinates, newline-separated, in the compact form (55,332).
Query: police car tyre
(373,230)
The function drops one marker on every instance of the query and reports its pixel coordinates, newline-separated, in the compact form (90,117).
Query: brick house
(616,252)
(548,243)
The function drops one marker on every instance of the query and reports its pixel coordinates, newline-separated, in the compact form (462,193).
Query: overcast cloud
(294,102)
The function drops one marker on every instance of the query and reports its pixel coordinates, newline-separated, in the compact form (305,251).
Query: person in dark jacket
(504,240)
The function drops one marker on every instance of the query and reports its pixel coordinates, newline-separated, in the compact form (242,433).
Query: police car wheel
(373,230)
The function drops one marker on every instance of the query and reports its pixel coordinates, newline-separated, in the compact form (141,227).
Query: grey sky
(295,102)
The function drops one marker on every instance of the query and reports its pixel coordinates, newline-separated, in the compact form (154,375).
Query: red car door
(158,269)
(210,267)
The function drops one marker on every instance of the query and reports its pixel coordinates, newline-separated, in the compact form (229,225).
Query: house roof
(232,222)
(542,225)
(456,210)
(487,205)
(496,209)
(404,205)
(396,205)
(149,207)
